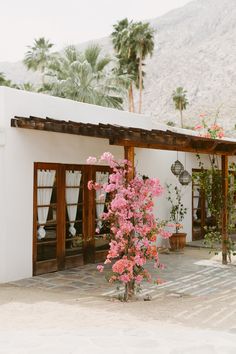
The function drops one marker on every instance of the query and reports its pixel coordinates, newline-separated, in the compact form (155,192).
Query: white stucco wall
(157,163)
(20,148)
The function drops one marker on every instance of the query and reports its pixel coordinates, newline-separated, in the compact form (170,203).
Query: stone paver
(203,294)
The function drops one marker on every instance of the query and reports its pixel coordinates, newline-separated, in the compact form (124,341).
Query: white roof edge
(25,103)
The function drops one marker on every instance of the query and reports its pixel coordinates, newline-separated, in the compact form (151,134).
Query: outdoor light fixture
(177,167)
(185,178)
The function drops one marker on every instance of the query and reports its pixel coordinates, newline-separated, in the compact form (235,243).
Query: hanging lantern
(177,167)
(185,178)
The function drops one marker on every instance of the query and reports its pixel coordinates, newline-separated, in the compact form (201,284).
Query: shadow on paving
(194,292)
(182,276)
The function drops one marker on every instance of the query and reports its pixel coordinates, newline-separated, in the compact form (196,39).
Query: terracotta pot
(178,241)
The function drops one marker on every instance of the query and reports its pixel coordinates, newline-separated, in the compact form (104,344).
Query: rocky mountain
(196,49)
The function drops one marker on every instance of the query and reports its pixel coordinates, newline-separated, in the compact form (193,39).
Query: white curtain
(45,178)
(72,196)
(101,178)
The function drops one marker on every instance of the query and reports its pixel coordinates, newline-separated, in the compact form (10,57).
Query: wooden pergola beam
(197,148)
(225,236)
(129,155)
(129,136)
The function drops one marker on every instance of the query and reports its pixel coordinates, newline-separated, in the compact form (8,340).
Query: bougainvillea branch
(133,227)
(207,130)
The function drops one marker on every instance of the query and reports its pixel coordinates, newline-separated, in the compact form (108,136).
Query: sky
(68,22)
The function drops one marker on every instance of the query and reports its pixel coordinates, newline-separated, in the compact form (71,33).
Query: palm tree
(85,77)
(38,56)
(126,57)
(120,37)
(133,42)
(3,81)
(6,82)
(180,100)
(27,86)
(142,39)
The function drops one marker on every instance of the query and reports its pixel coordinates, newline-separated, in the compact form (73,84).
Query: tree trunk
(181,118)
(129,291)
(42,76)
(140,85)
(131,98)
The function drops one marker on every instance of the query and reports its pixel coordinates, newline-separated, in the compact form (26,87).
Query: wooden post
(224,168)
(129,155)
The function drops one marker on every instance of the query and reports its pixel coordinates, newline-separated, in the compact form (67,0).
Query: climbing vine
(210,183)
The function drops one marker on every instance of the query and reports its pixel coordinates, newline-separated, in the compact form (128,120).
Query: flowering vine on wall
(207,130)
(133,227)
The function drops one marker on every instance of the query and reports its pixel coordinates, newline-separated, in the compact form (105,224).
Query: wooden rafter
(131,137)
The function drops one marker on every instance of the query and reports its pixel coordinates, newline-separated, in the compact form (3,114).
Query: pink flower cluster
(133,226)
(212,131)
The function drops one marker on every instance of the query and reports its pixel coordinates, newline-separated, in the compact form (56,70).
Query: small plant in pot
(177,214)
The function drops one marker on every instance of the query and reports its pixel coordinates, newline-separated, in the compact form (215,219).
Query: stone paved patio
(188,274)
(196,292)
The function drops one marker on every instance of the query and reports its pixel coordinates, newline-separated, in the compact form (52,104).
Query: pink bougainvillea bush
(207,130)
(133,227)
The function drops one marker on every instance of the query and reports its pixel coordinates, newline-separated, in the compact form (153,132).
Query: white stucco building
(32,159)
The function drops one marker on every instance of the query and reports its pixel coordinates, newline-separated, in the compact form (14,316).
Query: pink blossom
(140,261)
(91,160)
(125,278)
(198,127)
(133,227)
(107,156)
(160,281)
(123,265)
(112,279)
(90,185)
(138,279)
(165,234)
(107,261)
(100,268)
(96,186)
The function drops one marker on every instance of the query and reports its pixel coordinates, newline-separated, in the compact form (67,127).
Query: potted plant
(177,214)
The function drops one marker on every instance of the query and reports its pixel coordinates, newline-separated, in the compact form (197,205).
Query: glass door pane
(74,212)
(101,237)
(197,229)
(46,214)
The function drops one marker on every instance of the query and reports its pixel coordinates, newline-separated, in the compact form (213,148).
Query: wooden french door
(201,215)
(66,217)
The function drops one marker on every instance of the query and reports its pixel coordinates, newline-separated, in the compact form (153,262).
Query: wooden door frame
(40,267)
(99,256)
(203,201)
(73,260)
(89,254)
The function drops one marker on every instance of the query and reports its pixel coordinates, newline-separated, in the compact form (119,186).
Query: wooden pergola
(130,138)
